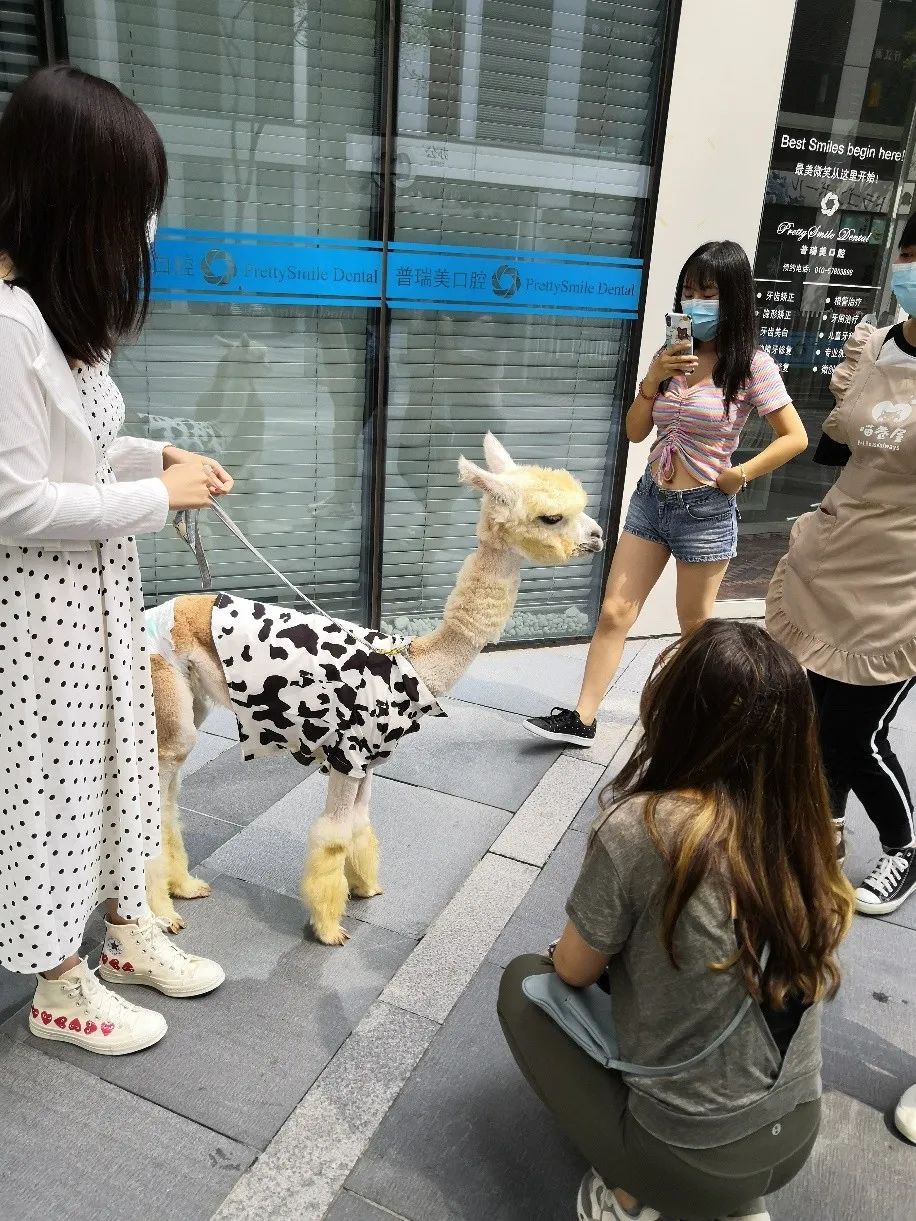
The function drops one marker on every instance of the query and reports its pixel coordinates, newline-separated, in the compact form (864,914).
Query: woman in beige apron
(843,599)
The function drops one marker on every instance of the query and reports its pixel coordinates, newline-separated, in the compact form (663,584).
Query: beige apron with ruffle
(843,600)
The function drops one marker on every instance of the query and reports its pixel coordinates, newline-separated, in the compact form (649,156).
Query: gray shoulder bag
(586,1016)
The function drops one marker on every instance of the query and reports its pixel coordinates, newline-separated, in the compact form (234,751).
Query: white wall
(725,91)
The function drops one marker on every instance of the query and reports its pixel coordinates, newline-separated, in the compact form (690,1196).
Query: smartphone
(679,329)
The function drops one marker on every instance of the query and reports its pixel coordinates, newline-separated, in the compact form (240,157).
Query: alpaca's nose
(594,537)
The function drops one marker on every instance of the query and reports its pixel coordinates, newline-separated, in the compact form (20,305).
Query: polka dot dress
(78,771)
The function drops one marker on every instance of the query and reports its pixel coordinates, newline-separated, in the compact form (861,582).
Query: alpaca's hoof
(332,936)
(191,888)
(366,892)
(176,922)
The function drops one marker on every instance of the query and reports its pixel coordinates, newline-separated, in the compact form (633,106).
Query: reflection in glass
(522,127)
(256,102)
(839,190)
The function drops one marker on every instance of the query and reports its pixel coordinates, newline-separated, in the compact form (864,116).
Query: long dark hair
(725,266)
(729,720)
(82,171)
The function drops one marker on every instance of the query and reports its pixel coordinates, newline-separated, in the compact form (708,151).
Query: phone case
(678,328)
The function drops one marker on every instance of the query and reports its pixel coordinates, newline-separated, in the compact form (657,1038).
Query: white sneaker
(596,1202)
(144,954)
(905,1115)
(76,1008)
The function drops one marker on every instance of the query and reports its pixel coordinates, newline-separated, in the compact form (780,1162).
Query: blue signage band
(275,269)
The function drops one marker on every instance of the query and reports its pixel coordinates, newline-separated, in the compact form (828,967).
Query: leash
(187,527)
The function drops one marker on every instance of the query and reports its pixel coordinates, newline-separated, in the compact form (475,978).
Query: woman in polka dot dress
(78,776)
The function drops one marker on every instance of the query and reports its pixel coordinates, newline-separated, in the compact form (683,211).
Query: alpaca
(527,513)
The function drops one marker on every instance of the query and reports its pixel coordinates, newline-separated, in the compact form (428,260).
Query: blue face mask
(903,284)
(704,315)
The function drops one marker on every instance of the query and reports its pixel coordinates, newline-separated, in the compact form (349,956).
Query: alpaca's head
(536,512)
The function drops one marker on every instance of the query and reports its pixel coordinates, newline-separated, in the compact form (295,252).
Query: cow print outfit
(321,688)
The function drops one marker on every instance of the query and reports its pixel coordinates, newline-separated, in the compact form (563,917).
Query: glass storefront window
(256,101)
(839,191)
(509,259)
(522,127)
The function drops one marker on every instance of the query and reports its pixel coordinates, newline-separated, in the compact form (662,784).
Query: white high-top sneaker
(905,1114)
(596,1202)
(76,1008)
(144,953)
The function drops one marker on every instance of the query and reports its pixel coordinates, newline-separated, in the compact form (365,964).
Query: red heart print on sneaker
(75,1025)
(104,958)
(61,1022)
(90,1027)
(114,964)
(128,966)
(34,1012)
(46,1017)
(107,1027)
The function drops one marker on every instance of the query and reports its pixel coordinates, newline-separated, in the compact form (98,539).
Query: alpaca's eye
(551,519)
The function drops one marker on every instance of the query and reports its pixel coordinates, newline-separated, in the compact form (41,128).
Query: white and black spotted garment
(79,781)
(321,688)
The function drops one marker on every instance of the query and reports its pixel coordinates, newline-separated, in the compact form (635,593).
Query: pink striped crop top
(692,423)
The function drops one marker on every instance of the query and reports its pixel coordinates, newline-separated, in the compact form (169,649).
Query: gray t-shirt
(663,1015)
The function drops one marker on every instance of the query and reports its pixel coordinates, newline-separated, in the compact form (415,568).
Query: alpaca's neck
(478,609)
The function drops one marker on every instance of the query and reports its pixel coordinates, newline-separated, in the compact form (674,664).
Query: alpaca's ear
(485,481)
(498,457)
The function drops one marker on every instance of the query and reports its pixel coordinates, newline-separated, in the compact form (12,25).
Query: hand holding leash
(188,485)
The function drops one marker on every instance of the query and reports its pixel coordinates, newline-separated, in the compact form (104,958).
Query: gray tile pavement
(371,1082)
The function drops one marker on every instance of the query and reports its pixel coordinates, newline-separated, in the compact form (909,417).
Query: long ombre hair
(729,723)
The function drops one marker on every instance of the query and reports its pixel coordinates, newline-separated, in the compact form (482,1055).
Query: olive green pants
(590,1105)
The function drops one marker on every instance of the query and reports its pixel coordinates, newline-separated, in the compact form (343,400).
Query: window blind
(572,85)
(18,44)
(256,102)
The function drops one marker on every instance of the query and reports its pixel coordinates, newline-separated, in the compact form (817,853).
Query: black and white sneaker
(889,884)
(563,725)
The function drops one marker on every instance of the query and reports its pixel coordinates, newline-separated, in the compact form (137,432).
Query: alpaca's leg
(324,884)
(159,869)
(176,734)
(157,882)
(361,864)
(181,884)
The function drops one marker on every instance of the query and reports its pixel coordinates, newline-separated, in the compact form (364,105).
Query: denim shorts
(698,526)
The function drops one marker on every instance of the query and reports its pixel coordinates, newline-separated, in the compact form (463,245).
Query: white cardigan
(49,497)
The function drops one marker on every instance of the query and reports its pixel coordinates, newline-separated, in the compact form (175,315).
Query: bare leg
(64,967)
(324,884)
(361,863)
(697,587)
(635,570)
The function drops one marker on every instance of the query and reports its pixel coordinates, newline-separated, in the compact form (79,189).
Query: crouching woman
(710,892)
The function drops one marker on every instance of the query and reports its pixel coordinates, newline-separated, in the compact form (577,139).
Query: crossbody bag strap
(669,1070)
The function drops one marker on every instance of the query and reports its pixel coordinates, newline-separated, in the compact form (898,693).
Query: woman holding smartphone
(685,503)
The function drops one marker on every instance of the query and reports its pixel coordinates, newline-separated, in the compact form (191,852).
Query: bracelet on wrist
(743,473)
(650,398)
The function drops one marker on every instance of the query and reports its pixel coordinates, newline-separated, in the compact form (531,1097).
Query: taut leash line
(187,525)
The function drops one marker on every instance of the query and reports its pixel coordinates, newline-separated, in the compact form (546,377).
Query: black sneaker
(889,884)
(563,725)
